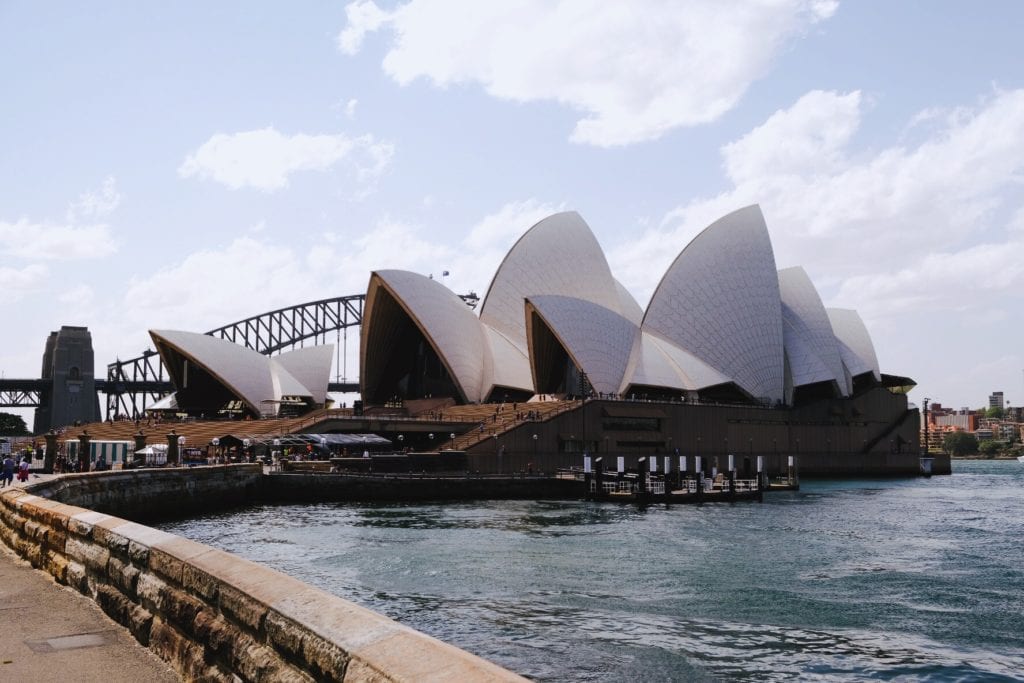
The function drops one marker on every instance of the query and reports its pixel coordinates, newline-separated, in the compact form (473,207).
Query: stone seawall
(211,615)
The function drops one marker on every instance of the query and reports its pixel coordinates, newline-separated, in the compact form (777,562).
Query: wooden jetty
(644,485)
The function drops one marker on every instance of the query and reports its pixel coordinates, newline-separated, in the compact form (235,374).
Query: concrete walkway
(49,632)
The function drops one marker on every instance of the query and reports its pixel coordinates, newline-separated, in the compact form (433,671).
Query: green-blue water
(908,579)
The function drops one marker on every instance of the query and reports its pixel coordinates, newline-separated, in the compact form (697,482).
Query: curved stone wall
(210,614)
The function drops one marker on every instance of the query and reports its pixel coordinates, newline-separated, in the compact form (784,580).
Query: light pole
(534,451)
(181,449)
(452,437)
(323,446)
(245,446)
(401,438)
(497,453)
(215,442)
(276,455)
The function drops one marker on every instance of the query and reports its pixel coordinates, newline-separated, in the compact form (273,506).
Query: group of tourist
(9,466)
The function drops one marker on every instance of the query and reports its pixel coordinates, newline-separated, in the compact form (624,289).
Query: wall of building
(874,433)
(211,615)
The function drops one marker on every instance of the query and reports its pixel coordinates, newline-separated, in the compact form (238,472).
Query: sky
(186,165)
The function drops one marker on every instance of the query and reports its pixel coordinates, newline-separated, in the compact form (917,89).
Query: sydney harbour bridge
(134,384)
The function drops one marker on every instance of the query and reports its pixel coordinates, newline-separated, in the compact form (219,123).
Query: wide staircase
(494,419)
(488,420)
(199,433)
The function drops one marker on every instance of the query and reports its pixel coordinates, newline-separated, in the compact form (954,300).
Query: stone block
(180,608)
(106,535)
(56,565)
(139,623)
(284,634)
(242,608)
(359,671)
(138,553)
(327,659)
(79,528)
(167,556)
(34,554)
(335,619)
(56,538)
(123,575)
(82,523)
(215,632)
(115,604)
(93,556)
(200,583)
(34,530)
(287,673)
(165,565)
(76,576)
(255,662)
(177,650)
(150,590)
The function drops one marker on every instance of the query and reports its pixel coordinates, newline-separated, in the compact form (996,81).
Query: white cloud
(265,158)
(501,229)
(95,204)
(14,282)
(635,70)
(362,17)
(30,241)
(350,108)
(884,232)
(82,295)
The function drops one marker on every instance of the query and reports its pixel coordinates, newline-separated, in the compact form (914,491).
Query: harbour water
(907,579)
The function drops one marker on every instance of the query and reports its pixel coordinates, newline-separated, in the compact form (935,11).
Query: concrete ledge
(209,614)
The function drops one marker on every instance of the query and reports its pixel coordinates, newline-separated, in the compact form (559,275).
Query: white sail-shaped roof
(311,366)
(628,306)
(560,256)
(252,377)
(807,333)
(448,324)
(855,345)
(659,363)
(597,339)
(720,302)
(505,364)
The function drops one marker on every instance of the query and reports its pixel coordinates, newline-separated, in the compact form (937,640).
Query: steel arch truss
(134,384)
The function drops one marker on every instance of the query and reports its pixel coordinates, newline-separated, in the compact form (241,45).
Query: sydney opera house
(730,356)
(723,324)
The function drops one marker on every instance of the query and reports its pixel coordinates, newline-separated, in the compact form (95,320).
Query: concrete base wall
(294,488)
(211,615)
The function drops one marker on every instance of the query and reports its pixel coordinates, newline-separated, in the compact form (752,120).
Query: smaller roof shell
(254,378)
(598,340)
(855,345)
(810,342)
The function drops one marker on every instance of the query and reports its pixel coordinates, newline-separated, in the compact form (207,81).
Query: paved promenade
(49,632)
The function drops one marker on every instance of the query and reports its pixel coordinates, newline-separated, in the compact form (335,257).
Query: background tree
(12,425)
(990,448)
(994,411)
(960,443)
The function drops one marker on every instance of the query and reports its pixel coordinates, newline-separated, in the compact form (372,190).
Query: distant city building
(967,423)
(995,400)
